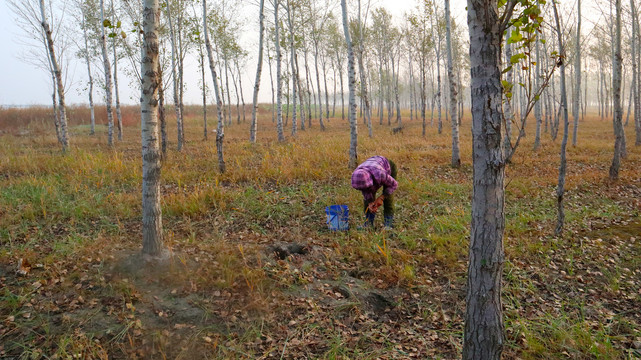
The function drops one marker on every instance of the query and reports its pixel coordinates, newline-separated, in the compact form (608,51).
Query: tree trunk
(560,190)
(508,111)
(240,85)
(271,78)
(57,73)
(279,79)
(292,59)
(152,239)
(635,61)
(616,88)
(220,131)
(116,92)
(324,65)
(174,76)
(483,334)
(319,107)
(91,106)
(361,71)
(107,66)
(161,115)
(259,67)
(577,74)
(204,93)
(537,105)
(353,156)
(456,157)
(301,95)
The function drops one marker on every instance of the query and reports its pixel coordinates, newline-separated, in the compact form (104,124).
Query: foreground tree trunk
(220,131)
(152,239)
(616,88)
(456,157)
(353,130)
(107,66)
(483,335)
(63,136)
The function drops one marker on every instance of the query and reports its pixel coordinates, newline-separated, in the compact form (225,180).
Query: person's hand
(373,206)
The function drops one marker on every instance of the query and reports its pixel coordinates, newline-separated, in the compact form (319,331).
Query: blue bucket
(337,217)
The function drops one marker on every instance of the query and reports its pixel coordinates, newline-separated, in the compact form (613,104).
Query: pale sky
(23,84)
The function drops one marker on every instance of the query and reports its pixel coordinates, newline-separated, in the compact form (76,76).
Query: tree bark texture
(353,155)
(220,130)
(456,157)
(279,77)
(57,73)
(616,88)
(483,334)
(152,239)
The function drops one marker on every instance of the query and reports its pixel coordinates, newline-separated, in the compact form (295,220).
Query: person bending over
(371,175)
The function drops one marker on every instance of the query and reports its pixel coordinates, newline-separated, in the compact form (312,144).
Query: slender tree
(560,190)
(115,38)
(152,239)
(456,158)
(175,76)
(353,155)
(279,77)
(259,67)
(57,73)
(616,88)
(107,67)
(577,74)
(220,130)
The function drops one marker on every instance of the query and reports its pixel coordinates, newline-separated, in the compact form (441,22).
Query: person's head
(362,179)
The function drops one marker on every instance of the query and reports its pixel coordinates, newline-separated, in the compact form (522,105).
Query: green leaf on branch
(106,23)
(516,58)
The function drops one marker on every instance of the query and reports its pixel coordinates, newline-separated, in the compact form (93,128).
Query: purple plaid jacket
(371,175)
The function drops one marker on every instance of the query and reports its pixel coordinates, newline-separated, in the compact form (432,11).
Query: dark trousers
(388,202)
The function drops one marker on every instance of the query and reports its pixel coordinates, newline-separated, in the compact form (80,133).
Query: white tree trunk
(560,190)
(152,239)
(616,88)
(637,82)
(89,74)
(57,72)
(107,66)
(353,155)
(115,53)
(220,131)
(361,71)
(456,157)
(577,73)
(175,79)
(259,68)
(537,105)
(279,77)
(292,59)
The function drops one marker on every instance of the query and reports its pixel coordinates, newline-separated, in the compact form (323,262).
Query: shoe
(389,223)
(369,221)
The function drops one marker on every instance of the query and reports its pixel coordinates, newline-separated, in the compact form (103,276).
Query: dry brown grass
(353,295)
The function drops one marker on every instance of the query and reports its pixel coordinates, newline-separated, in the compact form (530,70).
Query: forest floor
(72,284)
